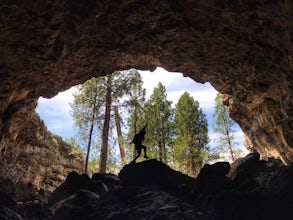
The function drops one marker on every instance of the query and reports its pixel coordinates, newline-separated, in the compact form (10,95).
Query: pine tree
(223,126)
(75,148)
(119,134)
(135,105)
(86,114)
(191,135)
(106,125)
(159,114)
(118,84)
(92,108)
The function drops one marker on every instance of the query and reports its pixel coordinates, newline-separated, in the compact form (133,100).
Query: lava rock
(249,165)
(212,178)
(81,205)
(153,172)
(7,187)
(281,181)
(8,208)
(111,181)
(73,184)
(254,205)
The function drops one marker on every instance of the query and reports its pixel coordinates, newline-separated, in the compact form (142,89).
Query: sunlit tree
(159,117)
(190,148)
(135,106)
(86,113)
(223,127)
(92,109)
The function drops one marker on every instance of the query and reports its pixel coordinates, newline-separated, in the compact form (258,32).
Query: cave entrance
(56,112)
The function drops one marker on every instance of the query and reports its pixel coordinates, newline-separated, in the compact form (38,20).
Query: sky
(56,111)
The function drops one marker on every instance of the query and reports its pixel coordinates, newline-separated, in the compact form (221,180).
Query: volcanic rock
(105,197)
(212,179)
(8,208)
(243,48)
(73,184)
(38,161)
(153,172)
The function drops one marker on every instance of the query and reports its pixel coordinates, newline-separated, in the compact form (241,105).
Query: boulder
(152,190)
(7,187)
(73,184)
(80,205)
(153,172)
(249,165)
(255,204)
(281,181)
(8,208)
(212,178)
(111,181)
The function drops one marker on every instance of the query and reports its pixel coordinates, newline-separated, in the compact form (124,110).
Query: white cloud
(206,98)
(176,85)
(56,113)
(60,102)
(151,79)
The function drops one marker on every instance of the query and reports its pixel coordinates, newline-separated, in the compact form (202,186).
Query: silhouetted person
(137,140)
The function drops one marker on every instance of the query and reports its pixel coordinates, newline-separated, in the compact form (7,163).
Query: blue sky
(56,111)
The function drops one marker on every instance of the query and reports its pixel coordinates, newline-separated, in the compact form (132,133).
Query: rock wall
(38,157)
(243,48)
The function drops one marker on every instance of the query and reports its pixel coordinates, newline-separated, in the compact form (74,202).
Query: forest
(108,111)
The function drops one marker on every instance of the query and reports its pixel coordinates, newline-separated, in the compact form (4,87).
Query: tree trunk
(135,129)
(160,152)
(90,135)
(193,166)
(88,147)
(105,132)
(119,135)
(193,156)
(230,147)
(229,140)
(164,151)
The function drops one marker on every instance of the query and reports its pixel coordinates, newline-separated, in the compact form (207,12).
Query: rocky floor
(249,189)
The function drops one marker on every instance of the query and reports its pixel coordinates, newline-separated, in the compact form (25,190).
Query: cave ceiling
(243,48)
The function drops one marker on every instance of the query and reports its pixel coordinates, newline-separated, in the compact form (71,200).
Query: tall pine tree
(159,116)
(191,135)
(118,85)
(93,105)
(86,113)
(135,105)
(223,126)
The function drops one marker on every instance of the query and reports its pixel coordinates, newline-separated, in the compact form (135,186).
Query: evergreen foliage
(176,136)
(92,108)
(135,106)
(223,127)
(190,148)
(159,117)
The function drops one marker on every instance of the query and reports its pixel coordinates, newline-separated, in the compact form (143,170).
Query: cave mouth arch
(244,50)
(56,111)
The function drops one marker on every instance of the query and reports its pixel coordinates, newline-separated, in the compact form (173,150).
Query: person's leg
(138,150)
(144,148)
